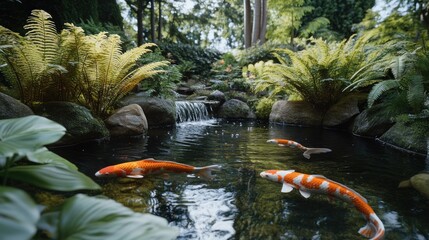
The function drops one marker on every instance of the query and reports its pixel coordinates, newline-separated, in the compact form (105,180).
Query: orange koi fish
(138,169)
(307,151)
(308,184)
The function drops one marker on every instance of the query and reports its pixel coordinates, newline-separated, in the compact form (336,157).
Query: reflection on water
(238,204)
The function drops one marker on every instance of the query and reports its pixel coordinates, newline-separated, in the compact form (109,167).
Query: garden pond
(238,203)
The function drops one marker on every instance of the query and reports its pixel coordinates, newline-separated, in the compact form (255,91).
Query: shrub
(263,108)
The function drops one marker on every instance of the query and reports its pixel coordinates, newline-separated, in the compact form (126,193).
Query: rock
(235,109)
(420,182)
(217,95)
(80,124)
(159,112)
(12,108)
(127,121)
(370,123)
(341,112)
(408,134)
(295,112)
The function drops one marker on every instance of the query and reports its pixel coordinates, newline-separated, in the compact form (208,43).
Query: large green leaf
(18,214)
(26,134)
(83,217)
(52,177)
(43,155)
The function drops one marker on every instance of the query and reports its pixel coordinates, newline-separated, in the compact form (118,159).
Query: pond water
(239,204)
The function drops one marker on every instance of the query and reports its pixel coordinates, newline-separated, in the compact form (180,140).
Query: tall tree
(138,7)
(247,24)
(152,20)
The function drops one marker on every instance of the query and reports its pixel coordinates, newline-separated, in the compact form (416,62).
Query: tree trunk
(263,25)
(159,20)
(247,24)
(139,22)
(256,22)
(152,20)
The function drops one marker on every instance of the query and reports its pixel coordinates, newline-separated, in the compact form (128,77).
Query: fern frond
(381,88)
(416,93)
(43,34)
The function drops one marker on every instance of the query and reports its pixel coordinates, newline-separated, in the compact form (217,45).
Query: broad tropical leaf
(91,218)
(18,214)
(27,134)
(44,156)
(51,177)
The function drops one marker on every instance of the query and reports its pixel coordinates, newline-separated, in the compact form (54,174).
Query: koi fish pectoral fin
(368,230)
(304,193)
(134,176)
(286,188)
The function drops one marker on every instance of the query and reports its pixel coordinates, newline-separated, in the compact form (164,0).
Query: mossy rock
(12,108)
(80,124)
(420,182)
(235,109)
(409,134)
(370,123)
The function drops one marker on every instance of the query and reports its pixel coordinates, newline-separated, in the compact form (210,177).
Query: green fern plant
(30,63)
(320,73)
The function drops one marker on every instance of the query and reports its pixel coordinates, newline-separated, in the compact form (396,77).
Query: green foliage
(162,85)
(91,70)
(258,53)
(320,73)
(341,15)
(23,158)
(263,108)
(197,60)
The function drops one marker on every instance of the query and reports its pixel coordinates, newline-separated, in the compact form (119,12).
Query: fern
(381,88)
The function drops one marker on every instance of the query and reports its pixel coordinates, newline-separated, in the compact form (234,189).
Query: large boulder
(295,112)
(370,123)
(341,112)
(409,134)
(419,182)
(80,124)
(12,108)
(235,109)
(127,121)
(159,112)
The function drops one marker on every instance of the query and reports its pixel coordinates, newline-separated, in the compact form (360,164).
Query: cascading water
(191,111)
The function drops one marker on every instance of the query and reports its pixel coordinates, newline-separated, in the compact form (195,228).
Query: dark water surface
(238,204)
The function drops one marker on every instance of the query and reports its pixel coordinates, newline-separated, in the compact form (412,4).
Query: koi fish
(138,169)
(307,151)
(308,184)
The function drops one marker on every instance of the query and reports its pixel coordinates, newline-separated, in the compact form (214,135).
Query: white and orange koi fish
(307,151)
(138,169)
(308,184)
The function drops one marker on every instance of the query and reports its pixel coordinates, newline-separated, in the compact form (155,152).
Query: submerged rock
(296,113)
(80,124)
(127,121)
(419,182)
(159,112)
(12,108)
(235,109)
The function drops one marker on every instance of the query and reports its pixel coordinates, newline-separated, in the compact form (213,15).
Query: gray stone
(296,113)
(235,109)
(80,124)
(341,112)
(217,95)
(127,121)
(159,112)
(370,123)
(12,108)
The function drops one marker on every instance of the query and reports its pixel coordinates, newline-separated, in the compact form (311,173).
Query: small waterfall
(191,111)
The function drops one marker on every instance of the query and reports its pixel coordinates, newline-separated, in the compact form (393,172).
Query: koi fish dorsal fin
(342,185)
(286,188)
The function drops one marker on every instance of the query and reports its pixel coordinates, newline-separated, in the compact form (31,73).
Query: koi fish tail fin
(374,229)
(206,172)
(310,151)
